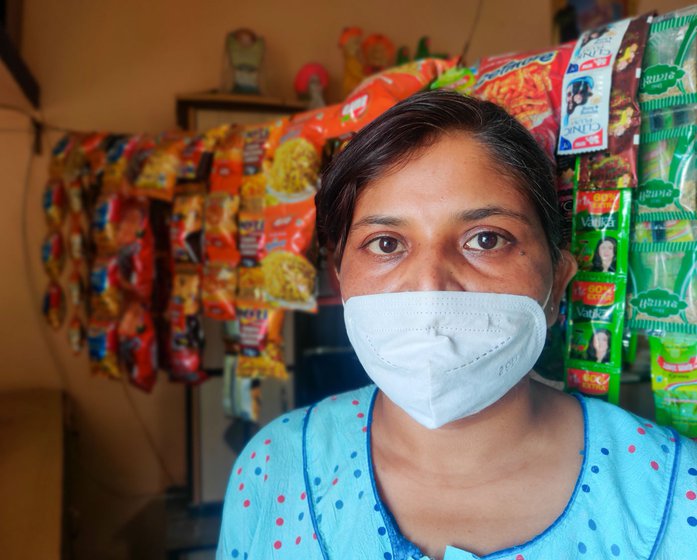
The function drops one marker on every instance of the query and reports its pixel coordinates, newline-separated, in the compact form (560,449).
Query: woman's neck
(491,437)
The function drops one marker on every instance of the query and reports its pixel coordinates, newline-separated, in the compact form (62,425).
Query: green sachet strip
(667,175)
(674,381)
(595,380)
(596,319)
(663,287)
(668,76)
(600,234)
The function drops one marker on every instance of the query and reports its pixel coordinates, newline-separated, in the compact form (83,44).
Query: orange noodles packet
(379,92)
(218,291)
(220,228)
(226,171)
(528,85)
(261,344)
(156,174)
(197,154)
(118,158)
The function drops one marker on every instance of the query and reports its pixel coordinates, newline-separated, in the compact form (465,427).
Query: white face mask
(442,356)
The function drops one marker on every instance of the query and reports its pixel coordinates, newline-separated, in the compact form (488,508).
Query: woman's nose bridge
(434,269)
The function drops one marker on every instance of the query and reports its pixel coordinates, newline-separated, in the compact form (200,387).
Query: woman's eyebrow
(379,220)
(476,214)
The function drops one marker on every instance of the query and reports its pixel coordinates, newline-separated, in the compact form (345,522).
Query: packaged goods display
(162,230)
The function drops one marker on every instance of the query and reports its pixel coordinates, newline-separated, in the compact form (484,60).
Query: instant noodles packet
(528,86)
(218,291)
(260,342)
(600,239)
(158,174)
(220,228)
(674,381)
(226,172)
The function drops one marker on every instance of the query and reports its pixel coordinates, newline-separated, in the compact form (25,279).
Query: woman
(599,347)
(605,255)
(444,224)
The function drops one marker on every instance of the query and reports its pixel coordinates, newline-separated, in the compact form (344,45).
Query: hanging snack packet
(616,167)
(459,78)
(59,155)
(77,244)
(103,346)
(671,231)
(668,77)
(186,227)
(674,381)
(117,161)
(663,287)
(138,346)
(76,196)
(186,336)
(601,231)
(54,202)
(218,291)
(668,175)
(220,230)
(528,86)
(289,277)
(226,173)
(105,219)
(53,307)
(260,342)
(377,93)
(598,380)
(53,254)
(76,288)
(586,89)
(76,335)
(158,174)
(105,293)
(135,249)
(197,155)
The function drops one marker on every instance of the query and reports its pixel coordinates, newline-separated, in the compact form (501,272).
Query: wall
(117,65)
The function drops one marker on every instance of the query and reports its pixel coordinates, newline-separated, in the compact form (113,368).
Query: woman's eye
(486,241)
(383,245)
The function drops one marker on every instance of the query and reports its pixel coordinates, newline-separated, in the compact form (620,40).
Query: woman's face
(448,220)
(606,250)
(600,344)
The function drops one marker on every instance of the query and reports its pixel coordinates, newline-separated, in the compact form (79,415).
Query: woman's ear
(564,271)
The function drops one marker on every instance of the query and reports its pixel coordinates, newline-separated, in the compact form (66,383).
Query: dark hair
(597,263)
(403,131)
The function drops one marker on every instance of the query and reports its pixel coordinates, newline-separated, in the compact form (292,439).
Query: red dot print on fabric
(519,557)
(360,415)
(297,540)
(239,471)
(648,425)
(335,481)
(654,465)
(266,477)
(641,430)
(690,495)
(267,441)
(277,545)
(333,397)
(281,499)
(364,429)
(354,402)
(303,496)
(241,486)
(254,454)
(631,449)
(279,521)
(314,536)
(246,503)
(267,458)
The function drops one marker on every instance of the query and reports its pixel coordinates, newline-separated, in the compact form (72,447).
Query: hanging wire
(475,24)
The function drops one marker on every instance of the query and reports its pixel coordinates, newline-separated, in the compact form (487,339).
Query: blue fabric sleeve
(680,537)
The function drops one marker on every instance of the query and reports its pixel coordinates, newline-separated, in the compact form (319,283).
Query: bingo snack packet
(159,169)
(663,287)
(226,172)
(218,291)
(595,334)
(118,158)
(186,227)
(220,228)
(528,86)
(616,167)
(674,381)
(103,346)
(197,154)
(138,346)
(601,231)
(668,77)
(260,342)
